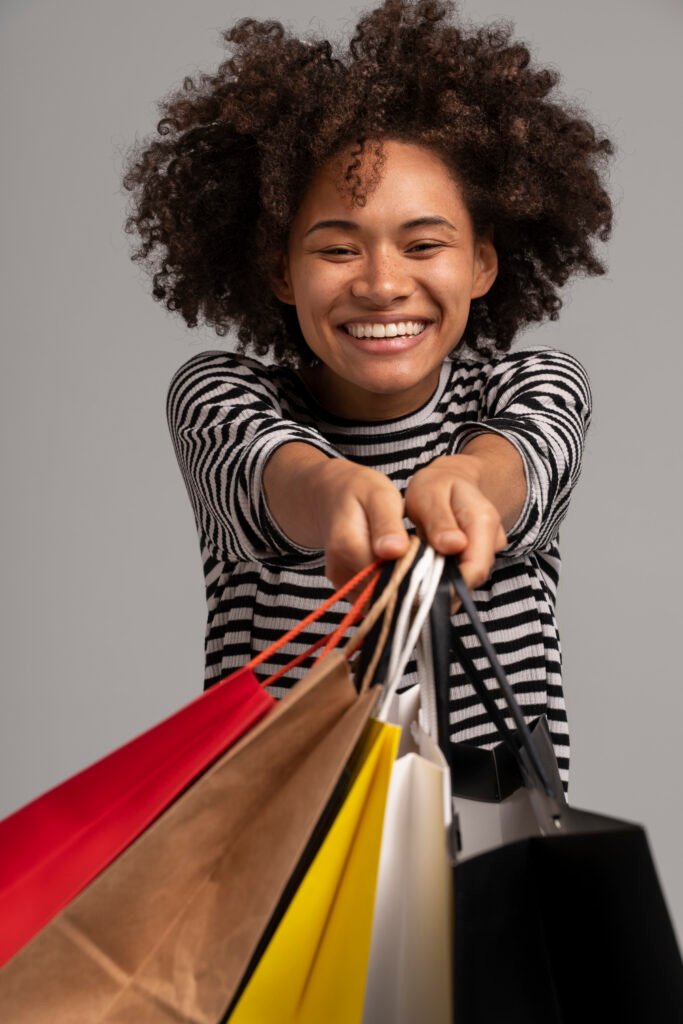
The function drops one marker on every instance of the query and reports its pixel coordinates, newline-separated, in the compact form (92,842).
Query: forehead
(413,182)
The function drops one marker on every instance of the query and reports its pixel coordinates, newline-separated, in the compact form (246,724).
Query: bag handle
(386,581)
(330,641)
(315,614)
(445,638)
(373,659)
(398,570)
(428,570)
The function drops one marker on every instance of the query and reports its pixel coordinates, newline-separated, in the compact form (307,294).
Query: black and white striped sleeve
(539,399)
(225,420)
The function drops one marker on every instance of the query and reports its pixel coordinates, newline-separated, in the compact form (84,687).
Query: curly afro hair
(214,195)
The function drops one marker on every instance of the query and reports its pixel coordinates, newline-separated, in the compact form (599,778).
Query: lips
(388,346)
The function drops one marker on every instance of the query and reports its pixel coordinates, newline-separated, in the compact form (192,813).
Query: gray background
(102,592)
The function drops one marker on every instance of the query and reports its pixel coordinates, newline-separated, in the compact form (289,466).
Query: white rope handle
(419,571)
(425,666)
(425,576)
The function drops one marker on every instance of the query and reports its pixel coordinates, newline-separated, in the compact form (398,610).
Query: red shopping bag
(54,846)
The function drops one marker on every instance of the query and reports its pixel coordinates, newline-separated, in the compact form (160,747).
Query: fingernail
(389,539)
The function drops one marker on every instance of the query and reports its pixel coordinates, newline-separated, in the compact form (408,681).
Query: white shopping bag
(409,977)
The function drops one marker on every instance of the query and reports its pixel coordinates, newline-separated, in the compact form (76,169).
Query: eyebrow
(352,225)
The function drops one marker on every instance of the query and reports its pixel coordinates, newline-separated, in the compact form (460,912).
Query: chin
(392,378)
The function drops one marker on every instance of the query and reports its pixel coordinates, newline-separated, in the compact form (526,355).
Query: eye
(426,245)
(338,249)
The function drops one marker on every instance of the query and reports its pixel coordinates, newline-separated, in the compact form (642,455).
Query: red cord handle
(351,616)
(349,619)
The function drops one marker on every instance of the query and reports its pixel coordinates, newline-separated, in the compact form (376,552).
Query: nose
(382,279)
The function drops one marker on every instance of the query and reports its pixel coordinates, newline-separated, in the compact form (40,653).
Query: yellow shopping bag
(314,969)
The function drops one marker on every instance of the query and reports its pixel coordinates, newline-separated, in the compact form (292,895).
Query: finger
(384,508)
(481,525)
(435,521)
(472,576)
(348,548)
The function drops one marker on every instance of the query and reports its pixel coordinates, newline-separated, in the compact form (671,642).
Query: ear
(485,263)
(281,282)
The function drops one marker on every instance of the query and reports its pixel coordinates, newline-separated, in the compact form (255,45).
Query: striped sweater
(228,413)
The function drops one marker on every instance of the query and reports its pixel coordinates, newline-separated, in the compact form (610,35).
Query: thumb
(388,536)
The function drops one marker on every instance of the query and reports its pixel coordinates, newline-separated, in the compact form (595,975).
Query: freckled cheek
(324,300)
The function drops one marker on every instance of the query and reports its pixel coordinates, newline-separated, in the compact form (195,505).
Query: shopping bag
(164,931)
(167,930)
(314,969)
(568,923)
(51,848)
(409,972)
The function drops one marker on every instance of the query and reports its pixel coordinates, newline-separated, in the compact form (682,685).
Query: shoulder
(217,372)
(550,371)
(543,357)
(531,357)
(530,366)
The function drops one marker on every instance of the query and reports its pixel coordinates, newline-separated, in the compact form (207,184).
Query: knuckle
(375,476)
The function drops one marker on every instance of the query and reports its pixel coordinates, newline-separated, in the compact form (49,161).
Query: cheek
(315,292)
(452,282)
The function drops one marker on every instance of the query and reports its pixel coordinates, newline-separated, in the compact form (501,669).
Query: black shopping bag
(562,919)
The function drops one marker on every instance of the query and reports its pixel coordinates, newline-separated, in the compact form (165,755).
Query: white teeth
(407,329)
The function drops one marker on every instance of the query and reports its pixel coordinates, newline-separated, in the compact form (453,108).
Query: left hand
(451,514)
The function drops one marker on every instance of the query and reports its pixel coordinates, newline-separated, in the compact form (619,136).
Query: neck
(350,402)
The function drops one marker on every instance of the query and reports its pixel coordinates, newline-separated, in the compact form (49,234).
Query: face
(382,292)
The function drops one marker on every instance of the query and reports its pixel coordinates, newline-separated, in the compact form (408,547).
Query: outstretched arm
(506,488)
(467,502)
(226,421)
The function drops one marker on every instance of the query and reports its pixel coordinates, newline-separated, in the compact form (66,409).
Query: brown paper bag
(166,933)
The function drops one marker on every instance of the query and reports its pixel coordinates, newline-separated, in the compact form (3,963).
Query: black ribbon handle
(446,639)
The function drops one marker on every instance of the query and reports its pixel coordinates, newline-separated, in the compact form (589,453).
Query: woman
(383,222)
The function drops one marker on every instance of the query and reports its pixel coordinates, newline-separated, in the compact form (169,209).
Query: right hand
(360,515)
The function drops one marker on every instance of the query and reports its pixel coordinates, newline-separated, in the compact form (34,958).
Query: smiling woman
(402,210)
(383,268)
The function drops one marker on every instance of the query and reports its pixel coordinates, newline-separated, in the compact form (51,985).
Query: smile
(388,330)
(389,344)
